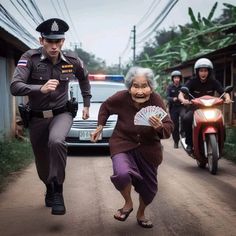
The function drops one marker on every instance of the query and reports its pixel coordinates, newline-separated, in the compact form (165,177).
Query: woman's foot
(122,214)
(145,223)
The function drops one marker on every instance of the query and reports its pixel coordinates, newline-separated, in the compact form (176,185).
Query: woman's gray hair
(140,71)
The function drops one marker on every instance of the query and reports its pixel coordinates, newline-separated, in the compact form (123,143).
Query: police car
(102,87)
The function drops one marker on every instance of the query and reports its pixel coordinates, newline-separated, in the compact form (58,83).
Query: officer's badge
(67,68)
(54,26)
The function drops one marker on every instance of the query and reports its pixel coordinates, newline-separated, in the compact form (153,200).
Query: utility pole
(134,43)
(119,68)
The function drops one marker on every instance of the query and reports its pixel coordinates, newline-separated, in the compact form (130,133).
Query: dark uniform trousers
(47,137)
(188,123)
(176,114)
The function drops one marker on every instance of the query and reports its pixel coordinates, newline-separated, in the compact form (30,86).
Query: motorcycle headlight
(208,102)
(210,114)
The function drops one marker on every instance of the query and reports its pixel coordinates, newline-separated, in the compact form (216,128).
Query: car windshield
(100,91)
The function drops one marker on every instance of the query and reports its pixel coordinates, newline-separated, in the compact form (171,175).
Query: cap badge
(55,26)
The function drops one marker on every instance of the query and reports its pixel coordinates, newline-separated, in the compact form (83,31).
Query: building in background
(11,48)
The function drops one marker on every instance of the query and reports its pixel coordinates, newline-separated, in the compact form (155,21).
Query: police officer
(176,109)
(203,83)
(43,75)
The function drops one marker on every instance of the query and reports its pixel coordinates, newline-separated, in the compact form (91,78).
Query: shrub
(14,155)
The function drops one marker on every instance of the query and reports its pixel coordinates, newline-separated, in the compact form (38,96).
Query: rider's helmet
(203,63)
(176,73)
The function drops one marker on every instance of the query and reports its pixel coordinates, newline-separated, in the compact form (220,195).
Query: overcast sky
(103,27)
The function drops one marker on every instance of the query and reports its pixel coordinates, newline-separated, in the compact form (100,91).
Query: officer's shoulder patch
(32,52)
(70,54)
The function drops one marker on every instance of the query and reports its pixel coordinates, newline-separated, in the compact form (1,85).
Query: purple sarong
(131,167)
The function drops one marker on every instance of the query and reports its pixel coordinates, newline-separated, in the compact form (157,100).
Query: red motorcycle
(208,130)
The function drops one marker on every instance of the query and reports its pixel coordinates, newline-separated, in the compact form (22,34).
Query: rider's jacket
(173,91)
(198,88)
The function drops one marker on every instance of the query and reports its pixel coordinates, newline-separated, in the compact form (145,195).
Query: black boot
(176,145)
(58,206)
(49,195)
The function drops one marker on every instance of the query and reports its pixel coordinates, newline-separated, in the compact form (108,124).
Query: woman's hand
(155,122)
(94,136)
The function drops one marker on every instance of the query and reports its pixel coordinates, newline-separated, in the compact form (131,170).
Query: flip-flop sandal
(123,214)
(145,223)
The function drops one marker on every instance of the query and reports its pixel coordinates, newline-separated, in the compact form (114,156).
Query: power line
(72,24)
(34,4)
(16,27)
(163,14)
(151,8)
(167,6)
(24,6)
(61,13)
(127,46)
(59,6)
(32,27)
(54,7)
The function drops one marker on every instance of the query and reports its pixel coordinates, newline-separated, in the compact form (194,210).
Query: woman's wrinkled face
(203,73)
(52,47)
(140,90)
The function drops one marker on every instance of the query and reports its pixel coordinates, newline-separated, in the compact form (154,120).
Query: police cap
(53,28)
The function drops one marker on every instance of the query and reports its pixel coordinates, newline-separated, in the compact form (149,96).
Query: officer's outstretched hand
(50,86)
(85,114)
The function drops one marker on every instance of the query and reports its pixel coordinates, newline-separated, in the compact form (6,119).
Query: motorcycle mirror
(228,89)
(184,90)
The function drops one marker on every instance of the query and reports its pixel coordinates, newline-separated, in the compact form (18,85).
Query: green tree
(201,36)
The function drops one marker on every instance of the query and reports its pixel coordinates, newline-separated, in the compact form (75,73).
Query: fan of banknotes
(142,116)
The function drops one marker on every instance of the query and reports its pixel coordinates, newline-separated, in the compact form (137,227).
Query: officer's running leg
(38,131)
(58,129)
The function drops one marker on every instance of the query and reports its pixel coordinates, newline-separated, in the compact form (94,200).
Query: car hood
(93,112)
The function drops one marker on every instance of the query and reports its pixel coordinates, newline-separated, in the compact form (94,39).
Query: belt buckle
(47,114)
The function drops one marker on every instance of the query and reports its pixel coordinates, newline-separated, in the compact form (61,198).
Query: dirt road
(190,200)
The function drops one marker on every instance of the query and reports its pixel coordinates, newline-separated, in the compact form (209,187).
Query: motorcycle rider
(176,109)
(203,83)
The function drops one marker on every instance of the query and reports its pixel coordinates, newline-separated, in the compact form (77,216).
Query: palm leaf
(193,19)
(212,11)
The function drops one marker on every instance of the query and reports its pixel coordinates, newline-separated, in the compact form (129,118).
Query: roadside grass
(14,155)
(230,144)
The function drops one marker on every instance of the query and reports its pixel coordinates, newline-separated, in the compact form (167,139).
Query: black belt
(49,113)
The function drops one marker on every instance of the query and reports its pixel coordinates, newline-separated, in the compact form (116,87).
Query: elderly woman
(136,150)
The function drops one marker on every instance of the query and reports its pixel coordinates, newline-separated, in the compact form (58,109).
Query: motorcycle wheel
(212,153)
